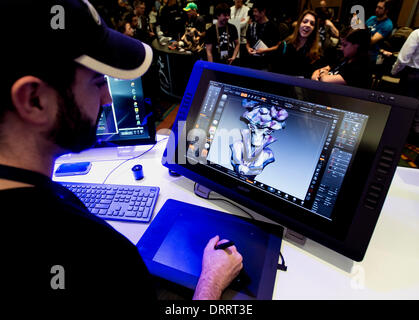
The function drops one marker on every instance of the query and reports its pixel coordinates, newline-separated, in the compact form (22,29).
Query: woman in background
(298,53)
(353,69)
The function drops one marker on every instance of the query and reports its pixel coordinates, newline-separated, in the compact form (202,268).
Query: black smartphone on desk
(71,169)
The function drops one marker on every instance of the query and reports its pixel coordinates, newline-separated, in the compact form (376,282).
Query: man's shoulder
(210,31)
(233,29)
(371,20)
(388,23)
(271,26)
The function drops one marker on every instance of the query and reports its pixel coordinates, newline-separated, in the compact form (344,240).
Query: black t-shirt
(197,22)
(171,21)
(222,44)
(290,61)
(47,233)
(355,73)
(267,32)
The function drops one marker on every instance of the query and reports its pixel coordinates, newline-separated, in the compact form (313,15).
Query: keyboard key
(102,206)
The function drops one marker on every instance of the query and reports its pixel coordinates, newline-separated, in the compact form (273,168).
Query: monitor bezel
(351,244)
(151,127)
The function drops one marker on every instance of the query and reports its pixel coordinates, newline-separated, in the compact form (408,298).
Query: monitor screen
(305,154)
(129,119)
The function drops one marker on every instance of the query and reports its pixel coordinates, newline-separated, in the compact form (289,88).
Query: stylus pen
(224,245)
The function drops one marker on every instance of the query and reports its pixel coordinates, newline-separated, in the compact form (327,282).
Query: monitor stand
(295,237)
(202,191)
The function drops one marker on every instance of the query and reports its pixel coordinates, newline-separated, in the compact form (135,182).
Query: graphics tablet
(173,245)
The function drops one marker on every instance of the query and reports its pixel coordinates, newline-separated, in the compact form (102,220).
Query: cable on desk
(136,157)
(225,200)
(282,265)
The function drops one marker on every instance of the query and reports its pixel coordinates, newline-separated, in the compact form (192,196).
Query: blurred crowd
(316,44)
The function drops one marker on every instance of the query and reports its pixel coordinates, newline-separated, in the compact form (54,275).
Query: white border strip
(108,70)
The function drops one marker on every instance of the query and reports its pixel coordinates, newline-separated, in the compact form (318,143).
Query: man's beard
(73,130)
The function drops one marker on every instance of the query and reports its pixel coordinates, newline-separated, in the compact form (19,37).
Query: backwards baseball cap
(191,6)
(50,33)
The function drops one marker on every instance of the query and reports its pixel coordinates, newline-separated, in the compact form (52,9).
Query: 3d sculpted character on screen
(251,154)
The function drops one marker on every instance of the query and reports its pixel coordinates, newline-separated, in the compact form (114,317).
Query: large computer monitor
(129,119)
(316,158)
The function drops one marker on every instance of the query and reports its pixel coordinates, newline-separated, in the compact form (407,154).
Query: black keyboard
(117,202)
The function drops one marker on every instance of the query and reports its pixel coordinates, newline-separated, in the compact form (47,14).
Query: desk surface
(388,271)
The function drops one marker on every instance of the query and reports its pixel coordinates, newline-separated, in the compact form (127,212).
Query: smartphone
(71,169)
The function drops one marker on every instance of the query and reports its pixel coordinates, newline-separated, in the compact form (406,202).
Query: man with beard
(380,26)
(52,90)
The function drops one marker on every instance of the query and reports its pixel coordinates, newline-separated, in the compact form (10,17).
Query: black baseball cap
(48,33)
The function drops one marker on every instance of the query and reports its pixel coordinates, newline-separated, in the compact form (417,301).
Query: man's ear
(32,98)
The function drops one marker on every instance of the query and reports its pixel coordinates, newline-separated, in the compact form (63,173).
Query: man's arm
(338,79)
(406,52)
(265,50)
(219,268)
(236,51)
(208,48)
(249,48)
(244,19)
(316,74)
(376,38)
(334,30)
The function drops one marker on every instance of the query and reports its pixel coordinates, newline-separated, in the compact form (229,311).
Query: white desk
(390,269)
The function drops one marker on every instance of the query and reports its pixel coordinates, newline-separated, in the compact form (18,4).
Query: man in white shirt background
(407,66)
(240,17)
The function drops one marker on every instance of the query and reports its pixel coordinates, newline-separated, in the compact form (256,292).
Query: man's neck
(263,20)
(384,17)
(44,167)
(9,184)
(26,156)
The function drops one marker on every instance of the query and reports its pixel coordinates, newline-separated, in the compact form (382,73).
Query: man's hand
(230,60)
(219,268)
(251,51)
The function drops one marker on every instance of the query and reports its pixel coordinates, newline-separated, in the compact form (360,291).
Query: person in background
(125,26)
(326,10)
(298,54)
(407,66)
(380,26)
(143,31)
(124,6)
(194,19)
(152,17)
(240,12)
(262,38)
(171,22)
(329,36)
(353,70)
(222,44)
